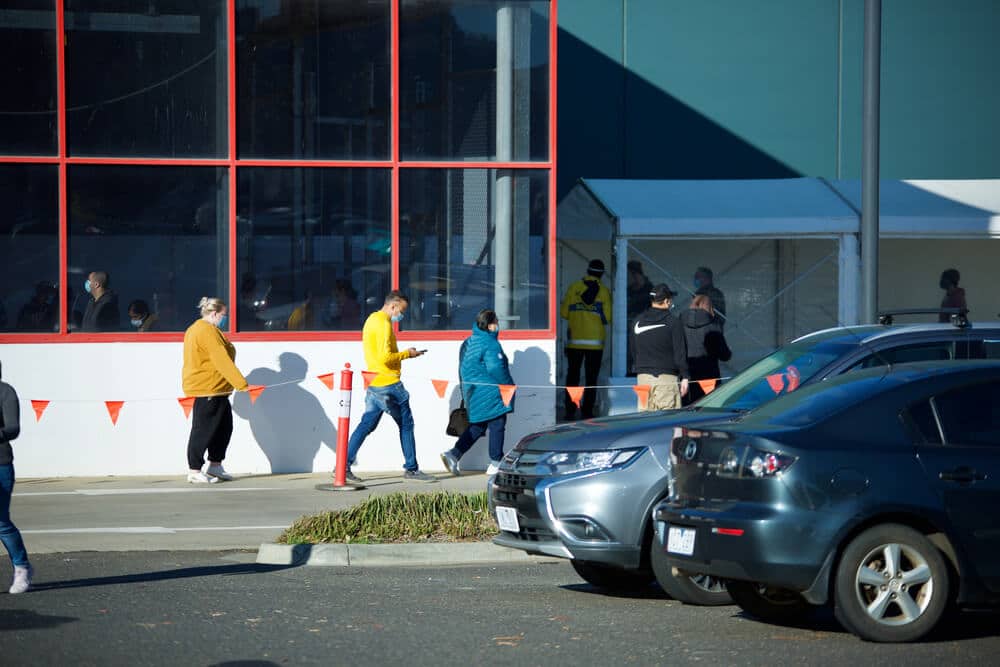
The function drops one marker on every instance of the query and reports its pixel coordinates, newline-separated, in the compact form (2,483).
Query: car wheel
(699,589)
(768,603)
(891,585)
(612,578)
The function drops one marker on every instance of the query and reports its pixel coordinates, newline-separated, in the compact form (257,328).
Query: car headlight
(565,463)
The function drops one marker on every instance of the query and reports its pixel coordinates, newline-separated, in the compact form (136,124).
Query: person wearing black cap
(661,352)
(587,308)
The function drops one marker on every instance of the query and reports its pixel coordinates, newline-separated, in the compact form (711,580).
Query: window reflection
(146,79)
(473,239)
(29,248)
(158,236)
(28,77)
(474,79)
(314,247)
(313,79)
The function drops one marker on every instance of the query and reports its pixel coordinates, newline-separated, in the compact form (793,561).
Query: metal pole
(870,162)
(503,256)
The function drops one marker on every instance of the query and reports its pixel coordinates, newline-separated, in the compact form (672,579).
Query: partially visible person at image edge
(210,375)
(10,428)
(482,367)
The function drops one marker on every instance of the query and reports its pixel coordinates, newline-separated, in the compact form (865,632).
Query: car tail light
(766,464)
(751,462)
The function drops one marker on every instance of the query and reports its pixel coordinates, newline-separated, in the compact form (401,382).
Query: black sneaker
(450,462)
(418,476)
(352,478)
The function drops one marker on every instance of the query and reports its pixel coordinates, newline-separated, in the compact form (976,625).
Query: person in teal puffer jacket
(482,366)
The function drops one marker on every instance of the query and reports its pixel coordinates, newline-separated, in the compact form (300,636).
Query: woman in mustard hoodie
(210,375)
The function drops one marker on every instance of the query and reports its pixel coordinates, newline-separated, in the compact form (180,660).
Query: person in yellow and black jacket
(587,308)
(386,392)
(210,375)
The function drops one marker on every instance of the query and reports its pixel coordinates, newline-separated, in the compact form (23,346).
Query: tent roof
(603,208)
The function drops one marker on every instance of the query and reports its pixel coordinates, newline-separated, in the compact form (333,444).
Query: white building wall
(290,428)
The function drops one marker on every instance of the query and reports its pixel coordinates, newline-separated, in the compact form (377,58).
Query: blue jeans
(395,400)
(9,534)
(497,427)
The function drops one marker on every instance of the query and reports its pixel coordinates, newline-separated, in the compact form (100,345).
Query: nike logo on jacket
(638,330)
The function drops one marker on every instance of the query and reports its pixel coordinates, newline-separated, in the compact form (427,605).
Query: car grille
(515,490)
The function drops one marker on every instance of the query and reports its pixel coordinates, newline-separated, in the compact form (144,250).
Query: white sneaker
(493,468)
(22,580)
(201,478)
(219,473)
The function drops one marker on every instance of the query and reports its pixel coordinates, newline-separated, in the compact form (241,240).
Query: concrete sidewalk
(167,513)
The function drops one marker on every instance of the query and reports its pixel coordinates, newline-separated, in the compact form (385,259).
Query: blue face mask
(398,317)
(223,321)
(697,283)
(86,286)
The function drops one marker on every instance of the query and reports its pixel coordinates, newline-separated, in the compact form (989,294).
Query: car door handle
(963,475)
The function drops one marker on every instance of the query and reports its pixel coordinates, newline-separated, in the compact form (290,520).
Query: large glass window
(146,78)
(28,77)
(158,233)
(313,79)
(29,247)
(314,247)
(474,80)
(472,239)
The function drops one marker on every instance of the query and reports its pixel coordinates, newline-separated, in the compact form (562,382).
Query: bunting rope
(787,381)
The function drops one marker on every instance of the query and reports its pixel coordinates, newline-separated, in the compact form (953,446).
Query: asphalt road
(219,608)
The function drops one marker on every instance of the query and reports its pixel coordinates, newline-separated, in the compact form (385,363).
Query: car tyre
(697,589)
(768,603)
(892,585)
(612,578)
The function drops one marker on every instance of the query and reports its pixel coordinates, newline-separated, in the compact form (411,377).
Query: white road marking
(126,492)
(146,529)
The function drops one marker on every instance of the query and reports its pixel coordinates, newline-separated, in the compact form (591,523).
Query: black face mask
(944,284)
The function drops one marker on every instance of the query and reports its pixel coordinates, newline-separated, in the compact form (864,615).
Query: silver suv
(585,490)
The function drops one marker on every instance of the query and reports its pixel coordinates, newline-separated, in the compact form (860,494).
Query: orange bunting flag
(708,386)
(254,390)
(575,394)
(39,407)
(326,379)
(186,404)
(439,387)
(368,376)
(507,392)
(776,382)
(114,407)
(642,392)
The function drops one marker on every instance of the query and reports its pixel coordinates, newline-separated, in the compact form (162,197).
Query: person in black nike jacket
(660,352)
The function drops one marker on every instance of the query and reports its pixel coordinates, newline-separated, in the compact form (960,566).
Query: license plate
(507,519)
(680,540)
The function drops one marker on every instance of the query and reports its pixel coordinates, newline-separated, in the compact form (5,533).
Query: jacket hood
(695,318)
(654,316)
(476,331)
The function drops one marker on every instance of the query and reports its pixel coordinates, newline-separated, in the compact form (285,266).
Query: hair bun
(203,302)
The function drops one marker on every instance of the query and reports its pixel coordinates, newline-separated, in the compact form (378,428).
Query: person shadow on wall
(288,422)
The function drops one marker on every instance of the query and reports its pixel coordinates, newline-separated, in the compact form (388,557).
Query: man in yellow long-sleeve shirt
(386,392)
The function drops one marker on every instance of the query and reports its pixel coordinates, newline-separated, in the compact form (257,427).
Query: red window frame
(234,164)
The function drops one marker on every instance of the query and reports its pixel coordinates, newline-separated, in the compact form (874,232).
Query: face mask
(223,321)
(398,317)
(136,323)
(86,286)
(697,283)
(944,284)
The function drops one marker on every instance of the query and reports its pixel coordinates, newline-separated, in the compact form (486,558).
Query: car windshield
(779,373)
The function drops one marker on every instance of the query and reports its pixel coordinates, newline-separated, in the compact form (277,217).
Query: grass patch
(399,517)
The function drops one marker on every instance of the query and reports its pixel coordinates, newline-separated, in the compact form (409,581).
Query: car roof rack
(959,316)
